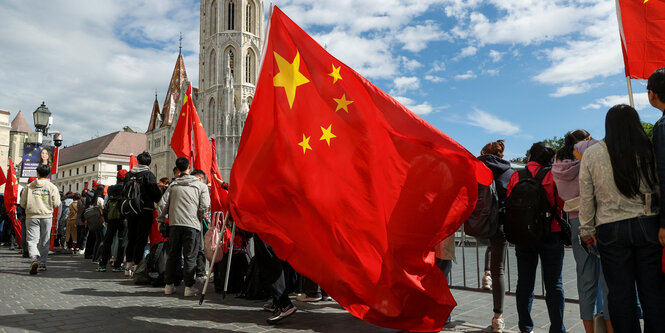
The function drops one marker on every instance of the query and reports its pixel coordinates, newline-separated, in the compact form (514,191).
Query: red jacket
(548,184)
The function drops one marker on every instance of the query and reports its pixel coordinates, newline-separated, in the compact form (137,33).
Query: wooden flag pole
(630,92)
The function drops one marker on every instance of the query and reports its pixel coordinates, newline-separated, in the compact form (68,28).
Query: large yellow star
(305,144)
(335,73)
(289,76)
(327,134)
(342,103)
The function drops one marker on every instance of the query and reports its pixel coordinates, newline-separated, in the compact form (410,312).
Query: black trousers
(183,242)
(138,229)
(273,272)
(113,227)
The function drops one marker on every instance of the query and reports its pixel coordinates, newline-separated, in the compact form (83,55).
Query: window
(63,173)
(213,68)
(70,187)
(77,171)
(248,18)
(93,167)
(77,187)
(85,169)
(248,67)
(213,17)
(231,64)
(70,172)
(230,16)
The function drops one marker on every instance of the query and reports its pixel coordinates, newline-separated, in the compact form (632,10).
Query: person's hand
(661,236)
(589,240)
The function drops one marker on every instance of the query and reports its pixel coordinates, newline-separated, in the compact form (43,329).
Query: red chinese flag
(349,186)
(3,179)
(642,29)
(202,150)
(181,140)
(11,196)
(132,161)
(56,153)
(217,193)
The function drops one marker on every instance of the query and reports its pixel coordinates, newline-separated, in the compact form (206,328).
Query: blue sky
(518,70)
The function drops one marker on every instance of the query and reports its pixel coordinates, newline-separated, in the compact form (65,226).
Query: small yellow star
(29,154)
(335,73)
(184,114)
(327,134)
(289,76)
(305,144)
(645,1)
(184,101)
(342,103)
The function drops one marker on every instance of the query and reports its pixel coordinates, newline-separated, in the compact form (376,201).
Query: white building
(97,159)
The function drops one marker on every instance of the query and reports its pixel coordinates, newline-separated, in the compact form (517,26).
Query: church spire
(155,116)
(179,76)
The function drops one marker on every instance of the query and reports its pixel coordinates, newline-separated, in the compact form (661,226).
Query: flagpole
(630,91)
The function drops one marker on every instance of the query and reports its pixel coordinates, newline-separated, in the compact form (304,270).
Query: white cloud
(419,109)
(491,72)
(491,123)
(466,52)
(415,38)
(405,83)
(495,55)
(410,64)
(438,66)
(641,101)
(468,75)
(433,78)
(572,89)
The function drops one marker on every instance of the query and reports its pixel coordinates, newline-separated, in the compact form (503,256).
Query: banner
(35,154)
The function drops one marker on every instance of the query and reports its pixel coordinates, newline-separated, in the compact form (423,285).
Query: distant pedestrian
(71,229)
(116,224)
(39,200)
(186,201)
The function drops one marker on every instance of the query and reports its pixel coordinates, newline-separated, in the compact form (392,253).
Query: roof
(170,106)
(19,124)
(155,115)
(117,144)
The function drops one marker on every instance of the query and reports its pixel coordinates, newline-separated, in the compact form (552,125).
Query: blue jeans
(589,277)
(550,252)
(445,266)
(39,238)
(631,253)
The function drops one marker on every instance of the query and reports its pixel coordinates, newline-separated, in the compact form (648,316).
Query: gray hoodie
(39,198)
(186,202)
(566,176)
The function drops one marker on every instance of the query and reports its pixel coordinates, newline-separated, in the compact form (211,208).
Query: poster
(35,154)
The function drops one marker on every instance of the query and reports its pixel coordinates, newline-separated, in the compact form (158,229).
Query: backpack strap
(524,174)
(541,174)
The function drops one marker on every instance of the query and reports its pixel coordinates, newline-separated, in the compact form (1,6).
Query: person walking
(186,201)
(115,224)
(39,200)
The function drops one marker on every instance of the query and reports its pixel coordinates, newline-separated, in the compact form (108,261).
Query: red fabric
(642,31)
(11,197)
(548,184)
(217,193)
(56,153)
(181,140)
(202,150)
(3,179)
(371,205)
(132,161)
(155,235)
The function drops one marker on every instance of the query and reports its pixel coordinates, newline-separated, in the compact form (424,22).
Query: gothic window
(248,18)
(231,61)
(213,68)
(211,107)
(248,67)
(213,17)
(230,16)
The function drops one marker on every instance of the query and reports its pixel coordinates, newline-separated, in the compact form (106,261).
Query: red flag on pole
(642,36)
(330,169)
(202,150)
(217,194)
(132,161)
(11,196)
(3,179)
(181,140)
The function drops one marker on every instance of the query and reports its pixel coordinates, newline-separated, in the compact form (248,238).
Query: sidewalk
(71,297)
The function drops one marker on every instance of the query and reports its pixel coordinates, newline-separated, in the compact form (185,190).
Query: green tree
(556,143)
(648,129)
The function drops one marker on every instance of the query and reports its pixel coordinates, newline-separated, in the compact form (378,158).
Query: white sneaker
(191,291)
(169,289)
(487,281)
(497,325)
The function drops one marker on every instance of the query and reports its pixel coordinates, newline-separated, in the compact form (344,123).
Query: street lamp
(42,118)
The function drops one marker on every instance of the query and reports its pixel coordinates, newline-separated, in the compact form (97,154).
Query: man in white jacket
(39,199)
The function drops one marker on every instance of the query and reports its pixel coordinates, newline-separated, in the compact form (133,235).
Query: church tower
(230,45)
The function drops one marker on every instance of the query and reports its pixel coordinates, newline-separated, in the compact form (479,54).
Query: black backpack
(131,204)
(112,207)
(484,220)
(528,214)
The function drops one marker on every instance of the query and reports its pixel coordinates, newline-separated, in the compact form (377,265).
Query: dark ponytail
(569,141)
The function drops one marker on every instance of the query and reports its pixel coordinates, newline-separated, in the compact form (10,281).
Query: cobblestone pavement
(70,296)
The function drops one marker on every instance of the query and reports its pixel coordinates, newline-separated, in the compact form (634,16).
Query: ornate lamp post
(42,119)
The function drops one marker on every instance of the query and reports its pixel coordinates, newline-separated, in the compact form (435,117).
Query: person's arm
(154,192)
(204,202)
(587,203)
(55,197)
(163,208)
(24,197)
(659,151)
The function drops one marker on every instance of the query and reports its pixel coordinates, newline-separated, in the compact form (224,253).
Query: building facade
(231,38)
(98,159)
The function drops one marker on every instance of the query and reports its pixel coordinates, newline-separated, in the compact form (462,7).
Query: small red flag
(181,140)
(202,150)
(217,193)
(3,179)
(11,196)
(642,30)
(349,186)
(132,161)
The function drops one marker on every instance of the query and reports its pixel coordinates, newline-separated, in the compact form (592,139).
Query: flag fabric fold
(181,140)
(202,150)
(3,179)
(217,194)
(11,198)
(349,186)
(642,31)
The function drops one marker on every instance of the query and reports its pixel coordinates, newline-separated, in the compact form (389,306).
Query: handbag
(211,240)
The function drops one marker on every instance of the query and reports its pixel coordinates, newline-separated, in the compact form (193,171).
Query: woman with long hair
(566,171)
(45,157)
(619,213)
(492,156)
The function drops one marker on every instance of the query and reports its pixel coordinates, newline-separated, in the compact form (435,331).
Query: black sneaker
(266,307)
(281,313)
(33,268)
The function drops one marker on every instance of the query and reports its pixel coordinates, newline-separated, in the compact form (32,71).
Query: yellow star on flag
(327,134)
(184,101)
(335,73)
(342,103)
(305,144)
(289,76)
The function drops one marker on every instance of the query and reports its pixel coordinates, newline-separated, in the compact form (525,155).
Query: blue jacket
(659,150)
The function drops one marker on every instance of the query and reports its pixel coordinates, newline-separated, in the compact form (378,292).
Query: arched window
(213,18)
(213,68)
(231,61)
(230,16)
(248,67)
(211,113)
(248,18)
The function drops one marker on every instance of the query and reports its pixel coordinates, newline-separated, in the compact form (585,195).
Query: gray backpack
(484,220)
